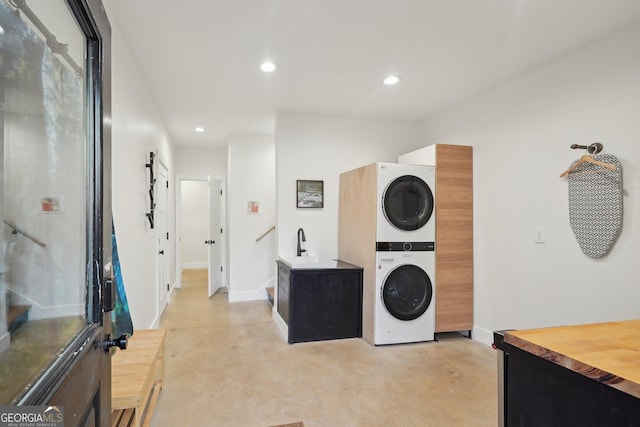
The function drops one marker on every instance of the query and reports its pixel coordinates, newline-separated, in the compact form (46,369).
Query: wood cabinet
(320,304)
(580,375)
(357,215)
(454,232)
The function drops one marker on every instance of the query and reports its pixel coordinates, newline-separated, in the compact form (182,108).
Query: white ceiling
(201,57)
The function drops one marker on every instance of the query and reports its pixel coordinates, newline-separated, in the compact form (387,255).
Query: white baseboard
(482,335)
(154,325)
(5,342)
(280,323)
(194,265)
(37,313)
(258,295)
(270,283)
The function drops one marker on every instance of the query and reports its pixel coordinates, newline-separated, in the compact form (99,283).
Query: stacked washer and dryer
(387,226)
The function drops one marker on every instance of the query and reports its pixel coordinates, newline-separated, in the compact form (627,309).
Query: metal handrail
(53,44)
(17,230)
(263,235)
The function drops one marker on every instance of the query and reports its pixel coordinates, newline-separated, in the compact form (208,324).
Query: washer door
(407,292)
(407,203)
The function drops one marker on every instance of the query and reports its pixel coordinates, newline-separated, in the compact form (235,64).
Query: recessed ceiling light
(391,80)
(268,66)
(199,129)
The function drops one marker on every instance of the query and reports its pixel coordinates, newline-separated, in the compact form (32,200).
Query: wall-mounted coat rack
(152,182)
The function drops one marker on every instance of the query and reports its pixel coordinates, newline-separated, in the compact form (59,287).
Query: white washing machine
(404,309)
(406,203)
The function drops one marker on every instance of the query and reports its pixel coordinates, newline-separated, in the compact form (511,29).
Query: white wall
(201,161)
(521,132)
(251,178)
(321,147)
(138,129)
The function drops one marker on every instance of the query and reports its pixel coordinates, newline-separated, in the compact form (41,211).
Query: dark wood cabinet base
(320,304)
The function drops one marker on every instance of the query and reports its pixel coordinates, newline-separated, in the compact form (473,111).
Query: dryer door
(407,292)
(407,203)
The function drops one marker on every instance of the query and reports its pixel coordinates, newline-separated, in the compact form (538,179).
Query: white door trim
(162,241)
(215,235)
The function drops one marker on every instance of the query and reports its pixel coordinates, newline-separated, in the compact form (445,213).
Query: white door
(162,235)
(215,238)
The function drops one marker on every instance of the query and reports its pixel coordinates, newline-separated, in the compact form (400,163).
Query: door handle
(120,342)
(209,242)
(161,252)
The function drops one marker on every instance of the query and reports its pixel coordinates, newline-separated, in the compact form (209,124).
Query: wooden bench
(137,376)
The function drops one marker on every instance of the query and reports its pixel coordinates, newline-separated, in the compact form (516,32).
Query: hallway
(228,365)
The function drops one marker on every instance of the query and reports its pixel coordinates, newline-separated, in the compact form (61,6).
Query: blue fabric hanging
(121,322)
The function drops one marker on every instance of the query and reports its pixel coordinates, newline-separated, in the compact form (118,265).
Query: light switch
(539,235)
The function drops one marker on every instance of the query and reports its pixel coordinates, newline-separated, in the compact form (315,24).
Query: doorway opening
(200,227)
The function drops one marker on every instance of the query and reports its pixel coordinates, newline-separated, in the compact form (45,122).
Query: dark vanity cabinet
(320,304)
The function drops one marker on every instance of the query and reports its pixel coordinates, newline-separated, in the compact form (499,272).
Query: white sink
(308,262)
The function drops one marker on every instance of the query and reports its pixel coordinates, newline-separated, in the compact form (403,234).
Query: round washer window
(407,292)
(408,202)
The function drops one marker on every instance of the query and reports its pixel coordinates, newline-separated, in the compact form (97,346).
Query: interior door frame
(223,224)
(163,297)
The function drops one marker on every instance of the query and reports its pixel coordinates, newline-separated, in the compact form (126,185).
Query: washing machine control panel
(405,246)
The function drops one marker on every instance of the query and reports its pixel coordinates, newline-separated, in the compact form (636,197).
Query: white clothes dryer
(406,203)
(405,293)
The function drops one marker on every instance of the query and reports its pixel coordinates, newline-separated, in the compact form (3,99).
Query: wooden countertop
(605,352)
(340,265)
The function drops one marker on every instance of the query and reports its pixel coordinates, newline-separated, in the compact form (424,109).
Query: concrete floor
(228,365)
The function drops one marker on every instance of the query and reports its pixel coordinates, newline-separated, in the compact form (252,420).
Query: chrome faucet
(301,236)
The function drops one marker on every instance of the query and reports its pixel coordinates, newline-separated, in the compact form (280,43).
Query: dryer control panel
(405,246)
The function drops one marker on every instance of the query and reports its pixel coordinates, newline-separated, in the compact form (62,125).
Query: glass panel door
(43,201)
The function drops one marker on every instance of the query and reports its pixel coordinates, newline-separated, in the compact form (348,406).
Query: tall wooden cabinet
(454,232)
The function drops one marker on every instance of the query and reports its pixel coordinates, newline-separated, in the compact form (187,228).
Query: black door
(407,292)
(55,202)
(408,203)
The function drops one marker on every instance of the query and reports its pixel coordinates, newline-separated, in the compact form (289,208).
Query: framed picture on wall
(309,194)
